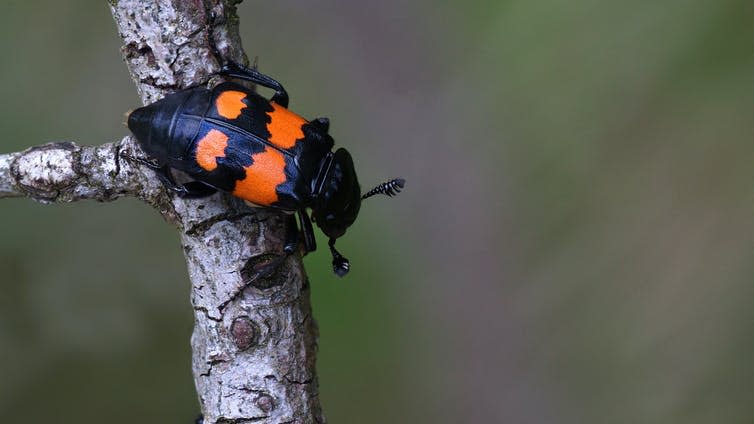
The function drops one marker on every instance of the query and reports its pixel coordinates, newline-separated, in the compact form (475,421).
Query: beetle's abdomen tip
(140,123)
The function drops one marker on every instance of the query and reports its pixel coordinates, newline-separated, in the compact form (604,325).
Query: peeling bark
(254,344)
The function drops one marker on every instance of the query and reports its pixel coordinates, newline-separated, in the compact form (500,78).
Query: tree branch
(66,172)
(254,344)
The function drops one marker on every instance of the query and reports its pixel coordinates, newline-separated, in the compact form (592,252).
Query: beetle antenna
(389,188)
(340,264)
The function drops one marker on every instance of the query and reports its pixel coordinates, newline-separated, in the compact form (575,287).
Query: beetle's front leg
(291,234)
(310,243)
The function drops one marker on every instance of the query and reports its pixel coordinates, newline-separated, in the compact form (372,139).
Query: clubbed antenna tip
(389,188)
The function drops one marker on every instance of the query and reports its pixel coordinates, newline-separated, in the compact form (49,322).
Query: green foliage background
(574,244)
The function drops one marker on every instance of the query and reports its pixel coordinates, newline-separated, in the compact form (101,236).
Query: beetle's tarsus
(340,265)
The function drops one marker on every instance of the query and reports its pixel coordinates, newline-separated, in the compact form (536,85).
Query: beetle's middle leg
(189,190)
(292,233)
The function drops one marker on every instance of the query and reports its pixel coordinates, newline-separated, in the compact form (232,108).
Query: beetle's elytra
(229,138)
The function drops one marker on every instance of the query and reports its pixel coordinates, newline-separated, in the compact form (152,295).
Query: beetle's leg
(234,70)
(291,235)
(195,190)
(164,174)
(162,171)
(190,190)
(310,243)
(340,264)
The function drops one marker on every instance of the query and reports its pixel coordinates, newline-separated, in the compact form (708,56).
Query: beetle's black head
(339,197)
(338,200)
(337,203)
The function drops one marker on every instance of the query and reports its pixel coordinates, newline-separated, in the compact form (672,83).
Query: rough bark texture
(254,345)
(65,172)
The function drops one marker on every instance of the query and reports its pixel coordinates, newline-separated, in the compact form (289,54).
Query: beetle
(231,139)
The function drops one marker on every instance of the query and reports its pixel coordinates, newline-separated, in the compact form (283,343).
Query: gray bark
(254,345)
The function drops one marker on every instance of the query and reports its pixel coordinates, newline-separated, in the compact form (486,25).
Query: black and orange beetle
(230,138)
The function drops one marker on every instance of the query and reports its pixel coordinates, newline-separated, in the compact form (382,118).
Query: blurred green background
(575,243)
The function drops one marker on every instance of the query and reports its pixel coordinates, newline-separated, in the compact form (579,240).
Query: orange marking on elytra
(262,178)
(229,104)
(284,127)
(209,148)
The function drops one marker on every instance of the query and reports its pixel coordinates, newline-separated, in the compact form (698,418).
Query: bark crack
(205,311)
